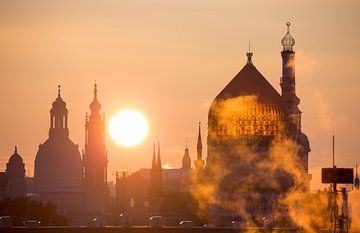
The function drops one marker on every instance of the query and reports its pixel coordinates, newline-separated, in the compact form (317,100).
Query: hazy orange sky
(168,60)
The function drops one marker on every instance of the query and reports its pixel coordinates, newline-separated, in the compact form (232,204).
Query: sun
(128,128)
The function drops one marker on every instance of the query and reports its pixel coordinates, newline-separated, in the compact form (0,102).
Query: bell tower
(95,154)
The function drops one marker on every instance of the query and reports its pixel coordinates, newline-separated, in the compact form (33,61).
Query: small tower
(291,101)
(95,155)
(356,180)
(15,169)
(59,118)
(199,162)
(186,161)
(153,178)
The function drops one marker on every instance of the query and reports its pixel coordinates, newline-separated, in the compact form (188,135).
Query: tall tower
(186,160)
(15,169)
(356,181)
(291,101)
(199,162)
(95,155)
(159,169)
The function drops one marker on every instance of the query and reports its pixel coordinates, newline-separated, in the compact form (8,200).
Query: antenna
(333,145)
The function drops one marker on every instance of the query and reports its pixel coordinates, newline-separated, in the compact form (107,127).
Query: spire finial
(15,149)
(249,54)
(288,41)
(59,91)
(186,143)
(288,26)
(95,91)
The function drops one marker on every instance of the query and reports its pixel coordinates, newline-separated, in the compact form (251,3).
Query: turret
(15,169)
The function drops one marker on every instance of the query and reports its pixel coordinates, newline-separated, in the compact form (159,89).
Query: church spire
(288,41)
(199,162)
(95,105)
(249,55)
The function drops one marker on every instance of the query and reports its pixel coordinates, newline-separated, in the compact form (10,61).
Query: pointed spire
(159,158)
(15,152)
(153,165)
(95,105)
(199,143)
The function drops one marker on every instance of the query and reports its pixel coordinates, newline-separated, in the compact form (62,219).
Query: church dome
(15,158)
(59,104)
(58,164)
(248,105)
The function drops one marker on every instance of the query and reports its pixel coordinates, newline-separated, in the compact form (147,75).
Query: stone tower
(95,154)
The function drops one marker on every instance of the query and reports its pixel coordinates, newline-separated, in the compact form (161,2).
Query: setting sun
(128,128)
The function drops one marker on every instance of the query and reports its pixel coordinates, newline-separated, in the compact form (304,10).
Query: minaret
(186,161)
(199,162)
(59,118)
(291,101)
(95,156)
(159,169)
(356,181)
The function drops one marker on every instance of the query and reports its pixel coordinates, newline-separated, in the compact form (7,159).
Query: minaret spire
(59,91)
(249,54)
(357,180)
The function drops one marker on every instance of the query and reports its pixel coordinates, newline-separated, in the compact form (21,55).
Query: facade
(251,130)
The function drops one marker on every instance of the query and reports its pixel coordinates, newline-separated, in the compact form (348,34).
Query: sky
(168,60)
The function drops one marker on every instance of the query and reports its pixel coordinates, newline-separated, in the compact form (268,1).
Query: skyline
(73,46)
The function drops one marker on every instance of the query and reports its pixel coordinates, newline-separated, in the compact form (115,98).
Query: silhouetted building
(199,162)
(247,119)
(58,162)
(15,170)
(4,186)
(157,191)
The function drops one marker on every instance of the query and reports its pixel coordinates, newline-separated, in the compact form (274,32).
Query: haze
(169,59)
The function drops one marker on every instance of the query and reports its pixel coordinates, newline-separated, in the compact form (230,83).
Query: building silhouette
(246,120)
(356,179)
(12,181)
(95,154)
(15,170)
(58,161)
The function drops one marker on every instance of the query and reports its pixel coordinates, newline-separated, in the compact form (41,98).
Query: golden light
(128,128)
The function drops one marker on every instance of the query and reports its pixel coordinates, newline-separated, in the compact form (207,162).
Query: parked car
(32,223)
(155,222)
(186,224)
(5,222)
(125,221)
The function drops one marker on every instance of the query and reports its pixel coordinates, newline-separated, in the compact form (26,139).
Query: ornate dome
(248,105)
(288,41)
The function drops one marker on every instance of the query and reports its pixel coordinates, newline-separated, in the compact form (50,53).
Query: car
(5,222)
(186,224)
(155,222)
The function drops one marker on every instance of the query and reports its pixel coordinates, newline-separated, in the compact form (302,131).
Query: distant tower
(15,169)
(199,162)
(159,169)
(154,176)
(356,180)
(95,156)
(186,161)
(58,161)
(291,101)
